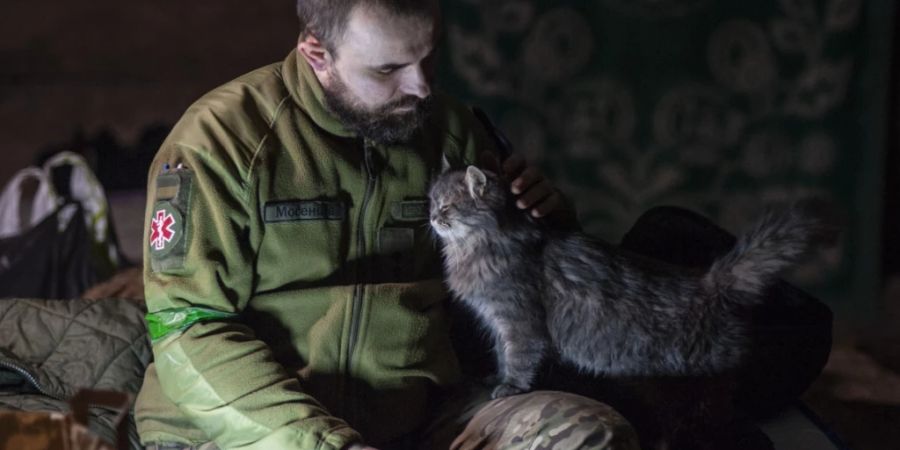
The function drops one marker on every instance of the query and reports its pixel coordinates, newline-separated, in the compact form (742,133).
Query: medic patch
(167,226)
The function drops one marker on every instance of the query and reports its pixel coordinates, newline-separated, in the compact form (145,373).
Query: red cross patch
(162,229)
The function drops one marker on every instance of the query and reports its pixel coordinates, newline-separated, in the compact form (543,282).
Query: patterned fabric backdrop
(719,106)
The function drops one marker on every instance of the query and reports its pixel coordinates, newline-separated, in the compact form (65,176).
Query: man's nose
(417,83)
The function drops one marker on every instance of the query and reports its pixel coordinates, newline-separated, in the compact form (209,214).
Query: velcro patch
(297,210)
(409,210)
(168,229)
(167,186)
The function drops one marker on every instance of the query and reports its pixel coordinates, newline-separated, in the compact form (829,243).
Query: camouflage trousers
(541,420)
(547,420)
(171,446)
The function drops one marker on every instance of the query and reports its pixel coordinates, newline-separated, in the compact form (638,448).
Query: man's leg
(540,419)
(792,330)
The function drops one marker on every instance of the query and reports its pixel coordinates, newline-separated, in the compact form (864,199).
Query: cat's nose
(437,221)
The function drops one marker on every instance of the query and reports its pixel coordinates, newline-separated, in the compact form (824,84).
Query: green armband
(162,323)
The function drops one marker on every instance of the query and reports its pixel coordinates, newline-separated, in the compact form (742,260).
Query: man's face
(379,81)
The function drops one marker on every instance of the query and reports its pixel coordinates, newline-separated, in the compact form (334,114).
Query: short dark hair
(327,19)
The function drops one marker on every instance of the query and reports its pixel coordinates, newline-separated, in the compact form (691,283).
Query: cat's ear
(445,164)
(476,181)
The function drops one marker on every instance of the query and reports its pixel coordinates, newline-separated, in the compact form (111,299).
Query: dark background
(71,72)
(108,78)
(581,88)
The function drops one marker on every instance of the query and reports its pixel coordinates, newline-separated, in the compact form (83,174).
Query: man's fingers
(543,205)
(535,191)
(534,195)
(528,178)
(547,206)
(513,166)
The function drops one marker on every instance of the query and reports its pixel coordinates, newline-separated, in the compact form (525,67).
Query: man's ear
(476,181)
(314,52)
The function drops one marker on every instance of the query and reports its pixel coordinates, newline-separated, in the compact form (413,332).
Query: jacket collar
(307,92)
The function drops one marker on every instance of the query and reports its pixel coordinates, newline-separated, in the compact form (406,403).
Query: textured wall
(721,106)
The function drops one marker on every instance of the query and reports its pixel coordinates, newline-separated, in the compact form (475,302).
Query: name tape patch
(297,210)
(410,210)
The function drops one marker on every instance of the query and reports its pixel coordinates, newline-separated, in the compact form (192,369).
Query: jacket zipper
(361,246)
(356,305)
(28,376)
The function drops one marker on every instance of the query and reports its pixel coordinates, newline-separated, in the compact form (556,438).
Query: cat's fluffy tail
(775,242)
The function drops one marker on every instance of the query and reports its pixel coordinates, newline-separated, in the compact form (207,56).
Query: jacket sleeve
(224,379)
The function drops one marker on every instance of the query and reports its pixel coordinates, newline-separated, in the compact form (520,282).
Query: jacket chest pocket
(306,243)
(406,250)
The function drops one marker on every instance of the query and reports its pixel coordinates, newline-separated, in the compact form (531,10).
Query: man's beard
(382,125)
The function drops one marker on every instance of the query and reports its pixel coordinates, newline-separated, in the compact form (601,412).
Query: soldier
(294,293)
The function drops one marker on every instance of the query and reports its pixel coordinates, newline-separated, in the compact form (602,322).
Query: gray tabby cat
(610,313)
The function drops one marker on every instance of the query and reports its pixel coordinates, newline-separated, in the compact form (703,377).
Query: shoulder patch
(168,229)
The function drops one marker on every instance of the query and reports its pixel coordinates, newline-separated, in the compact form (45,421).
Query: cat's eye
(445,208)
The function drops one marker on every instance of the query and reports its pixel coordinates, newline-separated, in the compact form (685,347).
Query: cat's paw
(506,390)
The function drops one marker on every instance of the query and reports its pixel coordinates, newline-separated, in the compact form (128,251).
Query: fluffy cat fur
(556,293)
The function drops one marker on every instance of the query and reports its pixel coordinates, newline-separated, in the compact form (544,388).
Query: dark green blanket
(49,349)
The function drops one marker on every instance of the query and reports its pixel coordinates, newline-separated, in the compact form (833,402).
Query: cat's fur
(547,292)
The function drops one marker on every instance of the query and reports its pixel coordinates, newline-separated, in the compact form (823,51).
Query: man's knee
(547,419)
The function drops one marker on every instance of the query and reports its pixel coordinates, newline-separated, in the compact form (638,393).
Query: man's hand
(534,190)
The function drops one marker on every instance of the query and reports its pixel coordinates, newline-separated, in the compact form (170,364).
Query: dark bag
(65,242)
(50,260)
(792,330)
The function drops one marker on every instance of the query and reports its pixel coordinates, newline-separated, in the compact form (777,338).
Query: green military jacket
(293,287)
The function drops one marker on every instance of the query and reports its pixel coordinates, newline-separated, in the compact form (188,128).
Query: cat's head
(464,201)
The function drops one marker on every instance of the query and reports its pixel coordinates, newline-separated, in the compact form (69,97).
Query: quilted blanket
(49,349)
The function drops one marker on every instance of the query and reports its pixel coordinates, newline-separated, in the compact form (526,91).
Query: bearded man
(294,294)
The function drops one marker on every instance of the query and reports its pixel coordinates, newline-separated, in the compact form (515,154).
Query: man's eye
(387,71)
